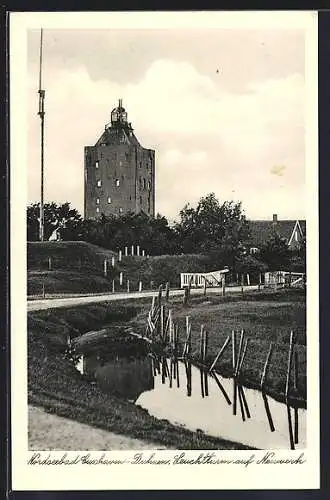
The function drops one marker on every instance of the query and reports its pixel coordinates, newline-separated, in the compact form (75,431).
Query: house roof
(262,230)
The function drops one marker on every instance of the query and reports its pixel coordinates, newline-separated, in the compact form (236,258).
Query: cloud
(206,138)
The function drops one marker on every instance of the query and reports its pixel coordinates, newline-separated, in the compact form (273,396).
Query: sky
(223,108)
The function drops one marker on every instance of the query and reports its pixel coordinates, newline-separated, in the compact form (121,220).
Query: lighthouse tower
(119,172)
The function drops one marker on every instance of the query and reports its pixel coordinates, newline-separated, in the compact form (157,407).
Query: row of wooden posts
(187,289)
(161,326)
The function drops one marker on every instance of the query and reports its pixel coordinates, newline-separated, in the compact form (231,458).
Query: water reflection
(188,396)
(124,377)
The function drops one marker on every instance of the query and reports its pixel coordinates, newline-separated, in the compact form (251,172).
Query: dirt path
(51,432)
(39,304)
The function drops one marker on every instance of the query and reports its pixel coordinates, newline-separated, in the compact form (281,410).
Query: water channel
(197,401)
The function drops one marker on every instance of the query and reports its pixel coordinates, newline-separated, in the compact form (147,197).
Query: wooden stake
(289,367)
(205,346)
(113,286)
(170,325)
(185,296)
(205,372)
(162,313)
(241,403)
(290,427)
(205,285)
(49,264)
(295,370)
(247,411)
(188,374)
(201,346)
(239,353)
(160,295)
(219,384)
(233,343)
(242,357)
(167,291)
(296,413)
(206,382)
(127,286)
(234,396)
(188,333)
(140,286)
(220,353)
(264,373)
(202,382)
(268,413)
(177,374)
(173,368)
(163,372)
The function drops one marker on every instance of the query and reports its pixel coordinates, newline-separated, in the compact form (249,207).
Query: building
(292,231)
(119,172)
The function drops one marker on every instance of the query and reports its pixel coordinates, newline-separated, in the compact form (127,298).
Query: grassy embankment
(56,385)
(77,267)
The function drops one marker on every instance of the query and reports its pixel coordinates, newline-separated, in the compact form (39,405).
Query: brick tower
(119,172)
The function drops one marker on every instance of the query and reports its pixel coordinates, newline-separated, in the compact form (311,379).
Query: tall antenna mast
(41,113)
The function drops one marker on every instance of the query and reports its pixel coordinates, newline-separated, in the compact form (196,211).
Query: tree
(152,234)
(55,216)
(276,253)
(213,229)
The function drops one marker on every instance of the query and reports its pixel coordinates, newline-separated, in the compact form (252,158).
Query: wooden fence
(232,359)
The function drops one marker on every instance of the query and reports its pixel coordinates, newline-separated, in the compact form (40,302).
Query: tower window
(144,183)
(109,199)
(99,183)
(97,201)
(149,185)
(97,210)
(140,200)
(117,182)
(96,164)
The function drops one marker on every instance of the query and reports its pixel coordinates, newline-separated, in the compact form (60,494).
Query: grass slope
(78,267)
